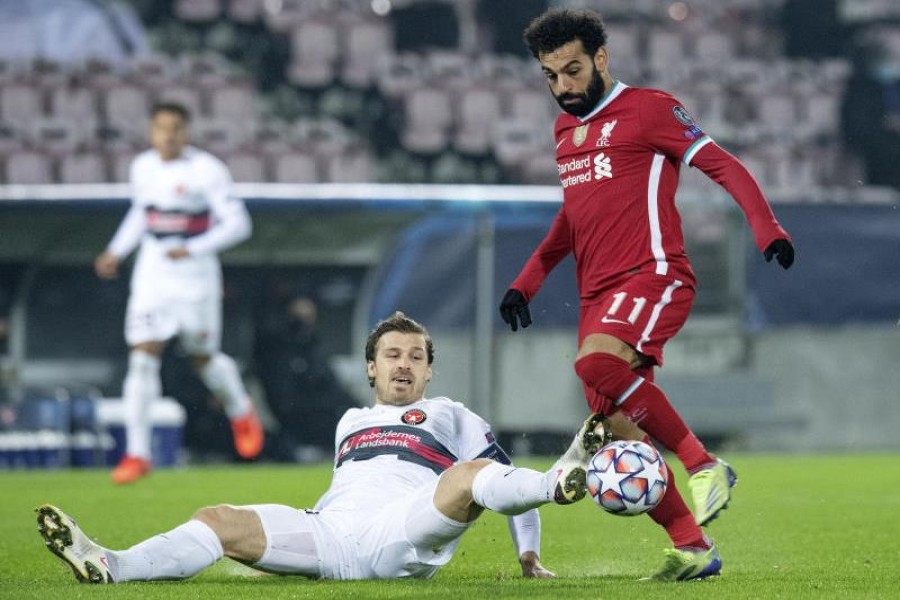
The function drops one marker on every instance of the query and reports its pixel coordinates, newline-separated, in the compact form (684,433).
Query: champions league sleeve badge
(685,118)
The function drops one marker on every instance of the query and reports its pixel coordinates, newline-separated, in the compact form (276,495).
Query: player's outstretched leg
(571,468)
(221,375)
(688,564)
(711,490)
(510,490)
(65,539)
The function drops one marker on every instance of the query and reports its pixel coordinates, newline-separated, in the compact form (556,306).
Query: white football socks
(141,386)
(176,554)
(511,491)
(222,377)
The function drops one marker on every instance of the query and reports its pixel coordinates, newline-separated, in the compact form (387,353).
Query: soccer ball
(627,478)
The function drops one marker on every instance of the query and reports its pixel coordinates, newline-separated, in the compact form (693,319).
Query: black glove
(514,309)
(781,249)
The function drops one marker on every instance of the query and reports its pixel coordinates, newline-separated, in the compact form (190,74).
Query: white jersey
(385,452)
(185,202)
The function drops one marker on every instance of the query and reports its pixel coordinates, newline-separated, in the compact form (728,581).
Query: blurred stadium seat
(246,167)
(532,105)
(83,168)
(399,74)
(450,70)
(120,163)
(665,49)
(12,137)
(127,104)
(478,110)
(283,15)
(57,136)
(365,43)
(21,102)
(315,51)
(296,167)
(428,117)
(245,11)
(74,102)
(221,136)
(353,166)
(197,11)
(29,168)
(234,102)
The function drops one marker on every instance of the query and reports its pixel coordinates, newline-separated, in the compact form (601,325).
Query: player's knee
(598,368)
(142,363)
(217,517)
(239,530)
(453,496)
(154,349)
(460,477)
(223,520)
(200,361)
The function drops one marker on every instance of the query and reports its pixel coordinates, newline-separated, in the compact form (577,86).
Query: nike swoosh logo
(560,143)
(608,320)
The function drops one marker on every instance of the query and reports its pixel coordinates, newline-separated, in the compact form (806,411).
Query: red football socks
(675,517)
(645,404)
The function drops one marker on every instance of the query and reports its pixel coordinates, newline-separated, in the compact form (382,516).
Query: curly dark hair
(401,323)
(559,26)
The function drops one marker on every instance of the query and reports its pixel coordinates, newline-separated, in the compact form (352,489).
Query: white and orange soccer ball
(627,478)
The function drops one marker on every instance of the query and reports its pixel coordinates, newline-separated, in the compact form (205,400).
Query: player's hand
(514,309)
(783,251)
(532,567)
(107,265)
(178,253)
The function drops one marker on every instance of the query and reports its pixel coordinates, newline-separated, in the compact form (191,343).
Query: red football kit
(619,169)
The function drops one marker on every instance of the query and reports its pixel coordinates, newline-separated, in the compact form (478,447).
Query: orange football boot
(130,469)
(249,436)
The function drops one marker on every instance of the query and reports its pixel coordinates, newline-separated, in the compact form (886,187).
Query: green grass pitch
(799,526)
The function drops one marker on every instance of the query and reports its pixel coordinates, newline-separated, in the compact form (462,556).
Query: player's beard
(586,101)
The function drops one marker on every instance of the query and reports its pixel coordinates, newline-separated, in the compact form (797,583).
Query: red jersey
(619,170)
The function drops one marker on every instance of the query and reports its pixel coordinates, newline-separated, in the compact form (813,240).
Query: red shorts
(645,311)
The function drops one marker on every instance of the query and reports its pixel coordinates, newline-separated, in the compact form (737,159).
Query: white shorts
(198,323)
(408,539)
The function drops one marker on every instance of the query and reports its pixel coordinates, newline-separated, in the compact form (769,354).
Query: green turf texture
(798,527)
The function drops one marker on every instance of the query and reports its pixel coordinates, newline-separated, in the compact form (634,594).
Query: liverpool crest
(605,132)
(580,134)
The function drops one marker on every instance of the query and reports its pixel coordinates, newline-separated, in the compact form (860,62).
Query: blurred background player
(183,213)
(411,475)
(618,153)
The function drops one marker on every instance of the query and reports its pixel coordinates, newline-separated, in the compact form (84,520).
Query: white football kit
(186,202)
(377,520)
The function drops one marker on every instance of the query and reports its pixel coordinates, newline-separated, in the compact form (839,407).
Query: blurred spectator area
(413,91)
